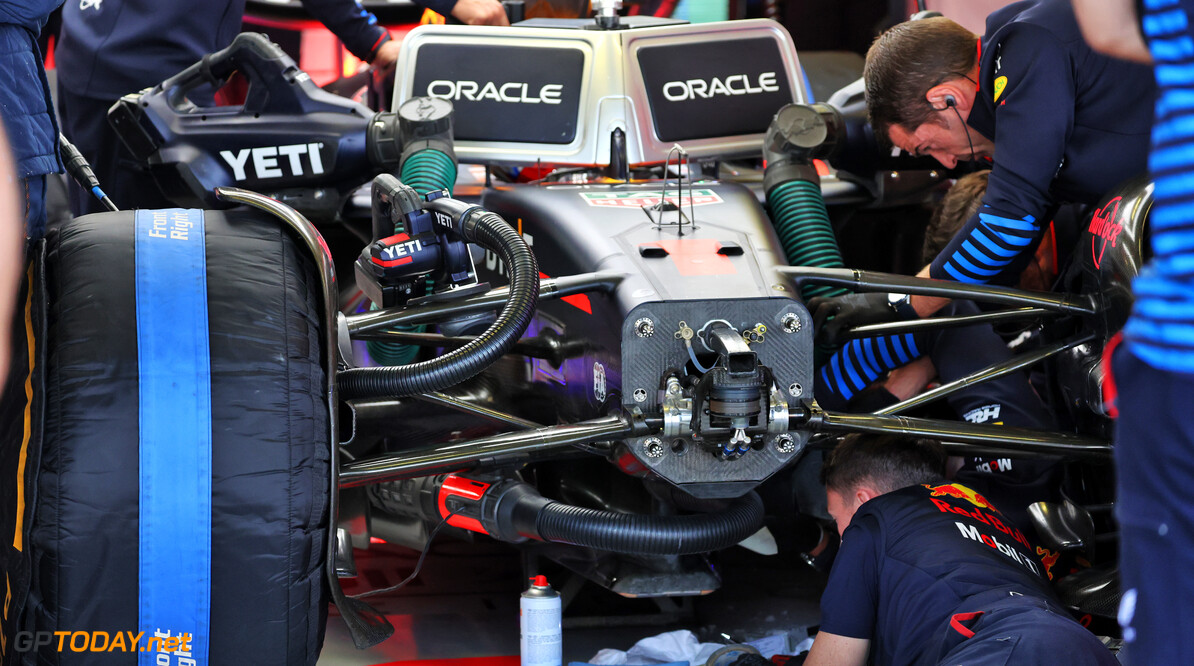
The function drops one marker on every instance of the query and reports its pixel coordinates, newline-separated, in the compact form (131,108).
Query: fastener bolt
(652,447)
(785,444)
(644,328)
(640,395)
(795,389)
(790,322)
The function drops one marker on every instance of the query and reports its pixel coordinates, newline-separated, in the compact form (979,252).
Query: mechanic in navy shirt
(109,48)
(929,572)
(1061,123)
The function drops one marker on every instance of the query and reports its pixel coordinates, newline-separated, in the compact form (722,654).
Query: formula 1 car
(600,359)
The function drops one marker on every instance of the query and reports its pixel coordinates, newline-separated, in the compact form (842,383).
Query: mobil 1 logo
(504,93)
(714,89)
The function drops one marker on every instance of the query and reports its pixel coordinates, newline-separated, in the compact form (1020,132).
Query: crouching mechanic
(928,572)
(1060,122)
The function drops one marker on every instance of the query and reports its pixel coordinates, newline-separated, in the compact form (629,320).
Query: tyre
(269,448)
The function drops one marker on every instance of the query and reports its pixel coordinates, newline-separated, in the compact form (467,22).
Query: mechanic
(929,573)
(1060,122)
(853,379)
(1154,370)
(25,105)
(109,48)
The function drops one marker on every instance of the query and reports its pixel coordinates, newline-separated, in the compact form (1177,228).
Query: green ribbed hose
(429,170)
(425,171)
(802,223)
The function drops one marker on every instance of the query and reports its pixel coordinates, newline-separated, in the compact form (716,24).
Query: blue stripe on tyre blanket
(269,475)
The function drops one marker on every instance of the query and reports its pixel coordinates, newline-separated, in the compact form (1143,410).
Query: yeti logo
(266,162)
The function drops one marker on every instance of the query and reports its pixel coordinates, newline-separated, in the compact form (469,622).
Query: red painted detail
(630,465)
(469,661)
(578,301)
(467,488)
(393,262)
(821,167)
(697,256)
(396,238)
(956,620)
(377,540)
(1110,391)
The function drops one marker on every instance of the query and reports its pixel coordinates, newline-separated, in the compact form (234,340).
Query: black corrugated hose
(651,535)
(491,232)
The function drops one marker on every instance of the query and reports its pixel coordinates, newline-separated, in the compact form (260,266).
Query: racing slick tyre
(227,545)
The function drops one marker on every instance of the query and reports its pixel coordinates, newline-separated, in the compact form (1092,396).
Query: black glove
(831,316)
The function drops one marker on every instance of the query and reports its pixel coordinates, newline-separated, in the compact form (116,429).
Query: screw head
(790,322)
(653,447)
(795,389)
(644,328)
(785,443)
(640,395)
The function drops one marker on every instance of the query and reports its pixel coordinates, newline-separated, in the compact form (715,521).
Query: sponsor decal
(640,198)
(959,491)
(971,532)
(1048,558)
(1104,229)
(599,390)
(398,251)
(983,414)
(735,84)
(511,92)
(985,518)
(1000,84)
(997,465)
(274,161)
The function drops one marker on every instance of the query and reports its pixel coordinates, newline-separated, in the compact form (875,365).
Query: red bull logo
(961,492)
(1048,558)
(1104,229)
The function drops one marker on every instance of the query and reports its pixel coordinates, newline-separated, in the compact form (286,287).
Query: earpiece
(950,101)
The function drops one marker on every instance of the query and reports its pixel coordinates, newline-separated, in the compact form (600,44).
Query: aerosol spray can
(541,641)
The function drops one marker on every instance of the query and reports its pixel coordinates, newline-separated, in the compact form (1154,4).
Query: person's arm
(833,650)
(926,305)
(1112,27)
(480,12)
(1034,117)
(356,27)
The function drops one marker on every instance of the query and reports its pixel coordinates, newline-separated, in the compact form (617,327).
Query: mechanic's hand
(387,56)
(832,316)
(480,12)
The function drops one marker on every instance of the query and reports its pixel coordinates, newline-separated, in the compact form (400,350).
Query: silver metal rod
(602,281)
(969,437)
(864,281)
(507,448)
(327,276)
(1018,362)
(936,323)
(477,410)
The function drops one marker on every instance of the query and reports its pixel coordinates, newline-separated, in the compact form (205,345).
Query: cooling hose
(802,223)
(651,535)
(491,232)
(427,170)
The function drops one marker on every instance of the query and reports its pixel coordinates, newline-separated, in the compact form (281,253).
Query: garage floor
(463,608)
